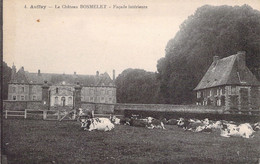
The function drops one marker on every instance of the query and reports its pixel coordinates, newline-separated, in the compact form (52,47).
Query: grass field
(37,141)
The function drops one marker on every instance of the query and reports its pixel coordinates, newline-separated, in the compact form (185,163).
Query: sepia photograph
(130,81)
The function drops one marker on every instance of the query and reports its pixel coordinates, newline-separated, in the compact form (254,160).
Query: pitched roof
(70,79)
(228,71)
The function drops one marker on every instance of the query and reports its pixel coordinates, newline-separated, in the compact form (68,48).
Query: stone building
(61,90)
(229,83)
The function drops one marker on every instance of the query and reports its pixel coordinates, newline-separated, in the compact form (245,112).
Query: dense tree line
(221,31)
(7,71)
(137,86)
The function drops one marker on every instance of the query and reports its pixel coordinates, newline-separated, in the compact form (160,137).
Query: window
(22,97)
(102,92)
(56,100)
(110,99)
(14,97)
(91,91)
(22,89)
(57,90)
(109,92)
(70,100)
(217,91)
(233,90)
(198,94)
(92,99)
(102,98)
(221,91)
(14,89)
(210,92)
(34,97)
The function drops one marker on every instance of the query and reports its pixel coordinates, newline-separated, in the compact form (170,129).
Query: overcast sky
(90,40)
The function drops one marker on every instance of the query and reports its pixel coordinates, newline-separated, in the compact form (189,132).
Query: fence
(49,114)
(41,114)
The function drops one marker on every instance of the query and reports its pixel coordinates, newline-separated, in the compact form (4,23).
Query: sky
(68,40)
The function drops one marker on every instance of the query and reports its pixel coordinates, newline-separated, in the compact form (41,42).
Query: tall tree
(221,31)
(7,71)
(137,86)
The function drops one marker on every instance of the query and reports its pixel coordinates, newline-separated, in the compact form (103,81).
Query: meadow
(38,141)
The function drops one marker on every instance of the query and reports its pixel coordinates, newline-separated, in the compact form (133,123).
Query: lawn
(37,141)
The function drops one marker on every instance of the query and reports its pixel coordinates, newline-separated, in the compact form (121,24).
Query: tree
(7,71)
(137,86)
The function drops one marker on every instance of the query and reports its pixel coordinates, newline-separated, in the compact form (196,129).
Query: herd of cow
(226,128)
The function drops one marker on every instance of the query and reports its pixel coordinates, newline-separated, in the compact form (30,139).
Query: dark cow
(172,122)
(138,122)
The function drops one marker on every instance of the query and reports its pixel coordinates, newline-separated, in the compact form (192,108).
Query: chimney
(39,72)
(114,74)
(22,68)
(241,58)
(75,73)
(215,58)
(97,74)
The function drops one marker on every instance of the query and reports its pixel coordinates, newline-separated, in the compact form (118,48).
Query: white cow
(114,120)
(243,130)
(101,124)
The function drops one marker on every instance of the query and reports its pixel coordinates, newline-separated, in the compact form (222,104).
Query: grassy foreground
(37,141)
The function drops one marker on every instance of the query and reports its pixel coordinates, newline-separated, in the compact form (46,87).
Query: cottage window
(221,92)
(233,90)
(210,92)
(198,94)
(217,91)
(229,90)
(14,97)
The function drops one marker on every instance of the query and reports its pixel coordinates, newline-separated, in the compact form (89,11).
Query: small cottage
(229,83)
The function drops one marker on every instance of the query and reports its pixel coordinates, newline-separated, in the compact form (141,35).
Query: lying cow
(114,120)
(154,123)
(243,130)
(101,124)
(256,126)
(138,122)
(125,121)
(172,122)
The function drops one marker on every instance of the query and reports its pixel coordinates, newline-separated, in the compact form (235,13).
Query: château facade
(61,90)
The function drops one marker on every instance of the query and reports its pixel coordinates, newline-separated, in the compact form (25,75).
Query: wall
(169,108)
(98,108)
(21,105)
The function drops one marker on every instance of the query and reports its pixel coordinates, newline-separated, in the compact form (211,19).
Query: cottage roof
(228,71)
(70,79)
